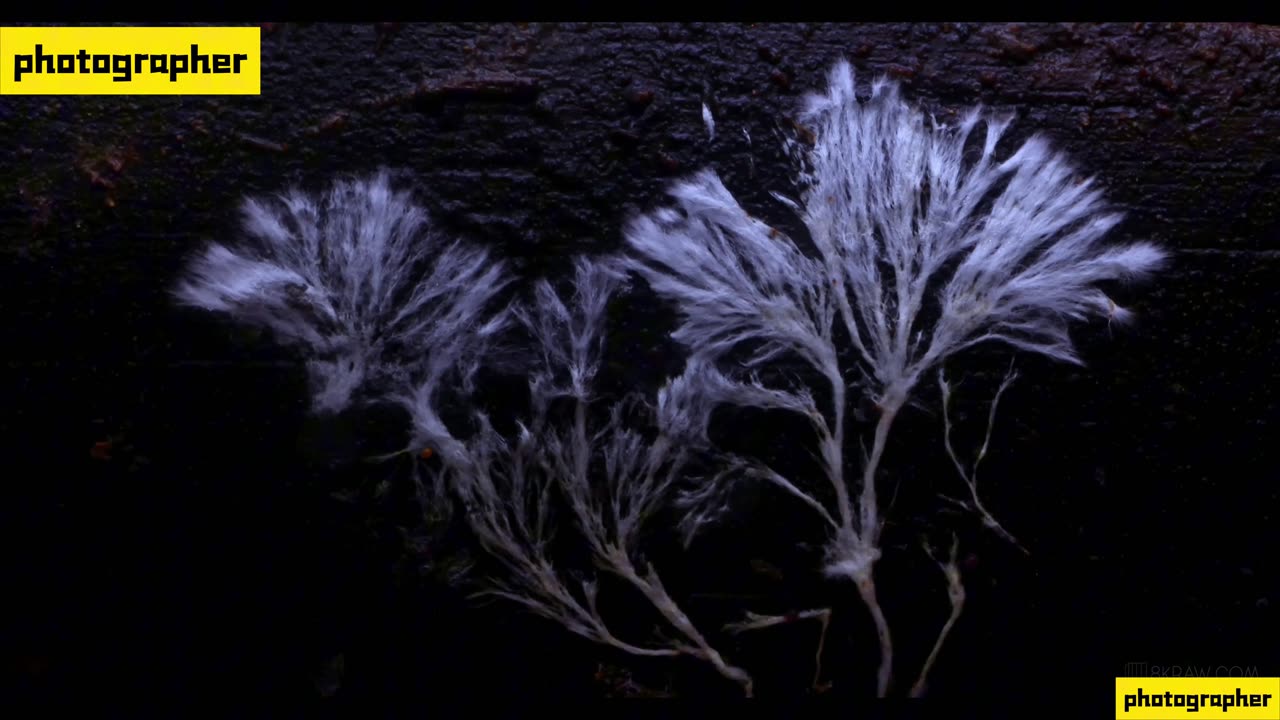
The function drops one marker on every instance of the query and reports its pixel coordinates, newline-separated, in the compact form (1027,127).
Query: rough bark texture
(1144,484)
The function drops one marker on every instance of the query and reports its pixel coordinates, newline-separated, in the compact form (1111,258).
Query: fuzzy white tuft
(610,475)
(923,247)
(926,243)
(1009,249)
(342,276)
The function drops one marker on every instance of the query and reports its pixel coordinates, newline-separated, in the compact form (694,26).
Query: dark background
(208,559)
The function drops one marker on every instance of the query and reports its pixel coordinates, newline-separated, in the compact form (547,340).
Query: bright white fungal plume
(342,275)
(925,245)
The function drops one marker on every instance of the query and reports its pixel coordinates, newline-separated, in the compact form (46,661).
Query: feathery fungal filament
(339,274)
(897,211)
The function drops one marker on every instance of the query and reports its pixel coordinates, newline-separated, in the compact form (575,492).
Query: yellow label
(130,61)
(1199,697)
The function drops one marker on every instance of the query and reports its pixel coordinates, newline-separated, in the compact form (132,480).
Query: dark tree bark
(1144,483)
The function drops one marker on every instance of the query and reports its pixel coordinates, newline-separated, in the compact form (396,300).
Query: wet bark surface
(206,556)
